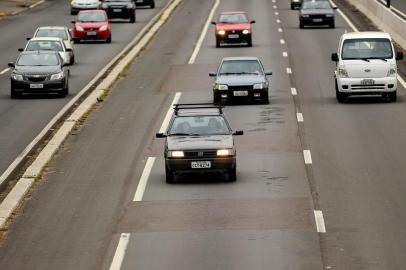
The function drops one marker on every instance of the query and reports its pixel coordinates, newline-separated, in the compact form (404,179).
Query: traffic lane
(399,4)
(76,207)
(358,157)
(18,130)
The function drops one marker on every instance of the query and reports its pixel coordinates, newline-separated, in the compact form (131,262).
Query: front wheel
(232,175)
(265,99)
(217,43)
(301,25)
(170,177)
(152,4)
(108,40)
(15,94)
(132,18)
(392,96)
(332,25)
(249,43)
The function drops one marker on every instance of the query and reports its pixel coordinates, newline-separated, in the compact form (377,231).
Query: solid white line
(142,184)
(280,30)
(168,115)
(307,157)
(299,117)
(285,54)
(289,70)
(318,216)
(4,71)
(293,91)
(120,252)
(37,4)
(203,34)
(402,81)
(282,41)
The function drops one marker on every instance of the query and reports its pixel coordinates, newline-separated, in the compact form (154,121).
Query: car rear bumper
(231,95)
(221,165)
(47,86)
(357,86)
(317,21)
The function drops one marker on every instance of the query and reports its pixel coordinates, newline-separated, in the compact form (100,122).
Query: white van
(366,65)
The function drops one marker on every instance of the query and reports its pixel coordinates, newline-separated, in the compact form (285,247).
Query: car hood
(37,69)
(233,26)
(240,79)
(199,142)
(362,69)
(316,11)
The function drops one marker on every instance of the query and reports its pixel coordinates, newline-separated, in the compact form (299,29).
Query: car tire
(217,43)
(232,175)
(75,40)
(332,25)
(108,40)
(392,96)
(152,4)
(265,99)
(170,176)
(341,97)
(132,18)
(72,12)
(72,60)
(301,25)
(15,94)
(249,41)
(292,6)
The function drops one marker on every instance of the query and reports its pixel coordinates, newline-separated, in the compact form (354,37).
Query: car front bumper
(218,165)
(53,86)
(357,86)
(227,38)
(259,94)
(98,35)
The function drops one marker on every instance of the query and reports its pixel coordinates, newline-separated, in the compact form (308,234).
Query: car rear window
(199,125)
(58,33)
(367,48)
(40,59)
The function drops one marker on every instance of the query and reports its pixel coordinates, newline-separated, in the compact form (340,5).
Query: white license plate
(200,164)
(117,10)
(317,20)
(233,36)
(367,82)
(36,85)
(91,33)
(240,93)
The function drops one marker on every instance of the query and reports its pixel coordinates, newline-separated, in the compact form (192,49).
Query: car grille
(240,88)
(201,154)
(239,32)
(35,78)
(368,87)
(317,16)
(91,29)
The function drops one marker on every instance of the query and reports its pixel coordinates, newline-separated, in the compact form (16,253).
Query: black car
(241,78)
(294,4)
(150,3)
(39,72)
(316,13)
(123,9)
(199,140)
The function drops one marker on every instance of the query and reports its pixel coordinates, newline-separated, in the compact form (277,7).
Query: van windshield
(367,48)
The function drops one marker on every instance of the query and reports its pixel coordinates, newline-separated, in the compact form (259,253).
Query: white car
(366,65)
(78,5)
(58,32)
(50,44)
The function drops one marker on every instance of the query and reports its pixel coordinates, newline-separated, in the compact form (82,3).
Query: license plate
(233,36)
(367,82)
(240,93)
(317,20)
(200,164)
(36,86)
(116,10)
(91,33)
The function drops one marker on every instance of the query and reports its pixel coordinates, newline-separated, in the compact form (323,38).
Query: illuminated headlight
(305,15)
(57,76)
(17,77)
(224,152)
(296,1)
(176,154)
(221,32)
(220,87)
(245,31)
(258,86)
(79,28)
(342,72)
(392,72)
(103,27)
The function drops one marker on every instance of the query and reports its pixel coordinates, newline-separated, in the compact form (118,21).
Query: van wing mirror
(253,21)
(399,56)
(28,38)
(268,72)
(213,23)
(11,64)
(334,57)
(238,133)
(20,49)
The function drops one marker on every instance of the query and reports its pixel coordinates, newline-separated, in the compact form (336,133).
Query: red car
(233,27)
(91,25)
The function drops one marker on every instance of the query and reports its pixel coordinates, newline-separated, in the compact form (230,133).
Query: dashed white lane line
(275,6)
(289,70)
(276,13)
(278,21)
(142,184)
(307,157)
(120,251)
(203,34)
(285,54)
(293,91)
(280,30)
(299,117)
(4,71)
(168,115)
(318,216)
(282,41)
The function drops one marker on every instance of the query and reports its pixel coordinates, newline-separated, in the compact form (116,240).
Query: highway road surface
(302,156)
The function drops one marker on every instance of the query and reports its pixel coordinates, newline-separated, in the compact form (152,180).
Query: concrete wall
(384,18)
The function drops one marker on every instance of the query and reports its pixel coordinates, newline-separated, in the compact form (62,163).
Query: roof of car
(240,58)
(53,27)
(366,34)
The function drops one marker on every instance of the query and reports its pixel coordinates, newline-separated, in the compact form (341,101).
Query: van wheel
(170,177)
(332,25)
(232,175)
(392,96)
(217,43)
(152,4)
(340,96)
(301,25)
(132,18)
(14,94)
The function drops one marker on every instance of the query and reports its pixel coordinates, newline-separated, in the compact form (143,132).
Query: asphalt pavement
(76,215)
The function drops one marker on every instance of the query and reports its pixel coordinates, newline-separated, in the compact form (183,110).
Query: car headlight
(224,152)
(296,1)
(221,32)
(103,27)
(259,86)
(57,76)
(342,72)
(176,154)
(17,77)
(220,87)
(79,28)
(305,15)
(73,3)
(245,31)
(392,72)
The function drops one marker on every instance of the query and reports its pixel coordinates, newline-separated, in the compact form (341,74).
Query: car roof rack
(191,106)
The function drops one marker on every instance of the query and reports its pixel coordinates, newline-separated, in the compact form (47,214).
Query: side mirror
(212,74)
(28,38)
(20,49)
(399,56)
(238,133)
(214,23)
(252,22)
(335,7)
(11,64)
(334,57)
(268,72)
(69,50)
(160,135)
(65,64)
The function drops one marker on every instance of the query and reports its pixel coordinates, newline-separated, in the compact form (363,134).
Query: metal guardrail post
(388,3)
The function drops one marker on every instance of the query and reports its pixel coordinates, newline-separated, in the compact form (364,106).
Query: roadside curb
(125,57)
(5,15)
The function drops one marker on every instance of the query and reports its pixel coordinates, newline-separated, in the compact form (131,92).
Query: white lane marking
(395,9)
(120,252)
(203,34)
(275,6)
(402,81)
(142,184)
(4,71)
(273,1)
(36,4)
(282,41)
(278,21)
(307,157)
(318,216)
(299,117)
(289,70)
(280,30)
(276,13)
(285,54)
(293,91)
(168,115)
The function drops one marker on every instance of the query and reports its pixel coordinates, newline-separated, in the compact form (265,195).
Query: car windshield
(371,48)
(118,1)
(199,125)
(44,45)
(40,59)
(92,17)
(233,18)
(58,33)
(241,67)
(316,5)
